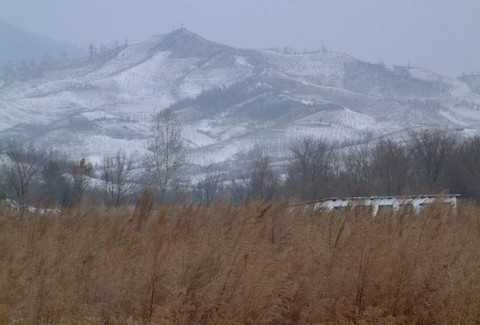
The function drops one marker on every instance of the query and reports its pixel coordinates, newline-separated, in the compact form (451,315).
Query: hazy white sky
(437,34)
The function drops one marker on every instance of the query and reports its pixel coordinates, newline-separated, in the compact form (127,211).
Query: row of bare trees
(31,175)
(28,174)
(430,161)
(49,179)
(425,162)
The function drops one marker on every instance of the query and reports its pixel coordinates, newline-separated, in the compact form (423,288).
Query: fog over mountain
(437,34)
(18,45)
(229,99)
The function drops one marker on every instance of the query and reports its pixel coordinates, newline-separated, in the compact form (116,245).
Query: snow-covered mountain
(229,99)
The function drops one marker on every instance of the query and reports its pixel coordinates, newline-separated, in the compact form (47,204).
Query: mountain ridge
(229,99)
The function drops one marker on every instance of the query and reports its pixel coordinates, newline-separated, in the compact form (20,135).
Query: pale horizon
(437,35)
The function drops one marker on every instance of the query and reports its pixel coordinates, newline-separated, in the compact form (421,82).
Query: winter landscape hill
(229,99)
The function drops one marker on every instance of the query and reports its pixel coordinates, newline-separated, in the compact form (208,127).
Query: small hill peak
(184,43)
(183,31)
(184,35)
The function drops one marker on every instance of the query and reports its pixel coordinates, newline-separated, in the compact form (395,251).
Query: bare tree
(263,181)
(117,178)
(166,150)
(55,189)
(81,173)
(463,171)
(310,168)
(356,172)
(390,168)
(431,151)
(25,163)
(238,189)
(209,188)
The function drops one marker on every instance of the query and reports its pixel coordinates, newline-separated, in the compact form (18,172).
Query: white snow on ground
(96,147)
(451,117)
(424,74)
(324,65)
(240,60)
(307,102)
(466,114)
(133,55)
(155,76)
(345,117)
(97,115)
(202,80)
(457,87)
(195,137)
(328,133)
(220,152)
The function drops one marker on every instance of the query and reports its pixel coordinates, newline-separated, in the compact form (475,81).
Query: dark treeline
(426,162)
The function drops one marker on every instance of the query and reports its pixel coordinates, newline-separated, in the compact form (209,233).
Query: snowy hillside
(229,99)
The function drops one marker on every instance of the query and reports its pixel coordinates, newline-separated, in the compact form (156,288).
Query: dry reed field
(259,264)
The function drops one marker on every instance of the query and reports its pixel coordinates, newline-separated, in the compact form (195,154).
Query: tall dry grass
(261,264)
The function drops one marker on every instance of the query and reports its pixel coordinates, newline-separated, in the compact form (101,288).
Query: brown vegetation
(261,264)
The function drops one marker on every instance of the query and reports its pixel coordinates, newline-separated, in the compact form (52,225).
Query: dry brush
(259,264)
